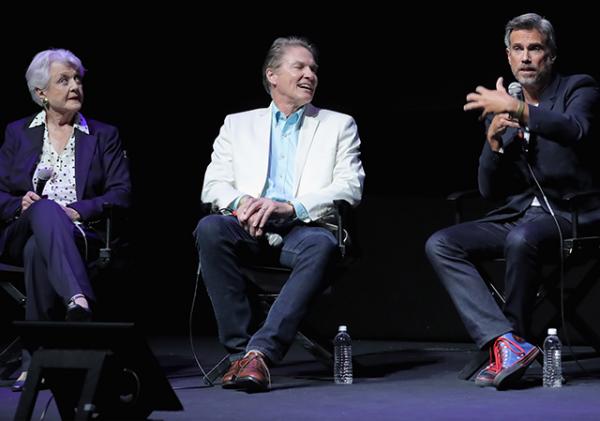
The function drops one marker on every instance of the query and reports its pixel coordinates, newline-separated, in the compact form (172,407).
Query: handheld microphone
(274,239)
(43,175)
(516,91)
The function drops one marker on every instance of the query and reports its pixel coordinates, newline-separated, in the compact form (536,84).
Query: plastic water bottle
(342,350)
(552,376)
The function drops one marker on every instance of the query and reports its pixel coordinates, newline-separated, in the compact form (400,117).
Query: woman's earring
(45,102)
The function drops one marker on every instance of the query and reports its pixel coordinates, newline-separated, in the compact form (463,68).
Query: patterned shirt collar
(79,123)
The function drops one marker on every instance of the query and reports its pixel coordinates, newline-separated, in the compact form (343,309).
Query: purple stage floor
(402,381)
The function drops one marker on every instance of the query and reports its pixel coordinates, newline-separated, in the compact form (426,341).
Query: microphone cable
(205,378)
(207,381)
(85,241)
(46,407)
(561,271)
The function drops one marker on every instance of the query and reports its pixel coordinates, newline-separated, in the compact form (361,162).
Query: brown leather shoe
(228,381)
(253,375)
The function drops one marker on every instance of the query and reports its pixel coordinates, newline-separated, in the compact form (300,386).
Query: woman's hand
(28,200)
(72,213)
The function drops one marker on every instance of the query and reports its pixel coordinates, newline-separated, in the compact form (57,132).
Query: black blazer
(559,152)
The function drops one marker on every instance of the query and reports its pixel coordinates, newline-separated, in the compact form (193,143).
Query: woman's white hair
(38,72)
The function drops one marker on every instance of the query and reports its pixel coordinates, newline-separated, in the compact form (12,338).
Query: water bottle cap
(342,328)
(552,331)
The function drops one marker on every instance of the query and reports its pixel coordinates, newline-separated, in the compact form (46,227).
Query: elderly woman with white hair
(57,169)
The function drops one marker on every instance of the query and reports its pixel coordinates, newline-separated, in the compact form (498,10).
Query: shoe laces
(256,356)
(500,352)
(493,366)
(503,347)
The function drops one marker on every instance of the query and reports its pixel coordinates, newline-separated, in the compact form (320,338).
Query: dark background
(168,75)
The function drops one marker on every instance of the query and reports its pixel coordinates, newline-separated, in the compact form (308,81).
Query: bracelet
(520,109)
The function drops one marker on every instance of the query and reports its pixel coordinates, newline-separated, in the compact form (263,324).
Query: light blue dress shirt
(282,159)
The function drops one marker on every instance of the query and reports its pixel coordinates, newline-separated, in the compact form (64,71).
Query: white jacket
(327,168)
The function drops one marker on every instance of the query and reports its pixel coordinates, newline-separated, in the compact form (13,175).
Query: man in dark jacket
(536,136)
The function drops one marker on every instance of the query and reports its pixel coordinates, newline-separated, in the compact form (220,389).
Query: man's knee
(211,229)
(435,244)
(517,242)
(320,244)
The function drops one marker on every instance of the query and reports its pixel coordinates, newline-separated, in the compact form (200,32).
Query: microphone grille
(515,90)
(274,239)
(44,173)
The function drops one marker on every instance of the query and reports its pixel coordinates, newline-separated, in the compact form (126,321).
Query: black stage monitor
(131,381)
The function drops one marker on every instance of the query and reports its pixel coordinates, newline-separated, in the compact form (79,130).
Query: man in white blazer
(275,173)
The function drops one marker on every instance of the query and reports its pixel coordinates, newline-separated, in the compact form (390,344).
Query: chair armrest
(463,194)
(574,200)
(347,237)
(457,198)
(342,213)
(110,213)
(341,207)
(206,208)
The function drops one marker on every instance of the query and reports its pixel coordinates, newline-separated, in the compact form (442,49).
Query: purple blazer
(101,169)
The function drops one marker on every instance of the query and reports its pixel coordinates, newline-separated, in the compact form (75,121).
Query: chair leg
(320,353)
(217,371)
(10,359)
(573,299)
(16,295)
(474,365)
(586,331)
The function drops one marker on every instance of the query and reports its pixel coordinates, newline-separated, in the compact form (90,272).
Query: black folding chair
(581,274)
(269,280)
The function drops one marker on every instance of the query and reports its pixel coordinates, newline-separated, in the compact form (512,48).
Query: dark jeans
(223,245)
(526,242)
